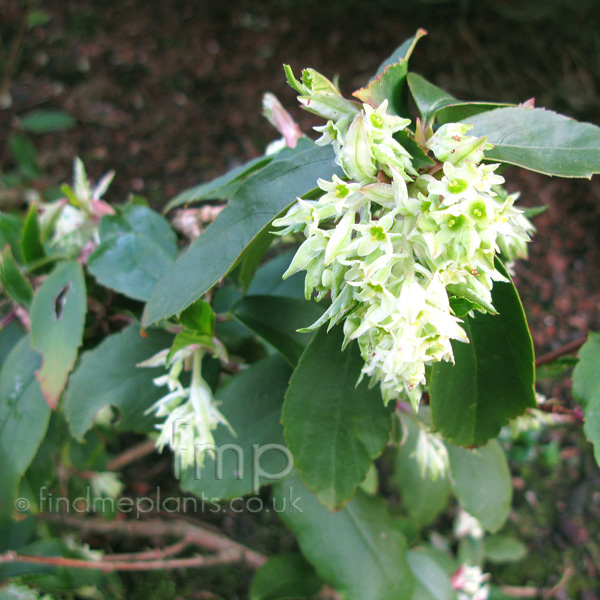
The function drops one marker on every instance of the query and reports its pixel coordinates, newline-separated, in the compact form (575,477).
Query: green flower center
(456,186)
(377,121)
(455,223)
(478,210)
(377,233)
(341,191)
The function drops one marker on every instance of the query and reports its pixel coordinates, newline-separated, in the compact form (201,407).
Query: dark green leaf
(586,389)
(540,140)
(424,488)
(432,100)
(188,338)
(492,380)
(333,427)
(482,483)
(268,279)
(431,581)
(222,187)
(25,155)
(420,160)
(257,202)
(251,258)
(9,336)
(57,320)
(257,454)
(358,550)
(402,52)
(32,248)
(285,577)
(390,86)
(13,281)
(131,264)
(502,549)
(24,418)
(47,121)
(11,231)
(148,222)
(108,375)
(199,317)
(277,319)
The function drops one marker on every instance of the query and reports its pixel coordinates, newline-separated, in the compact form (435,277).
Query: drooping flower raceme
(392,243)
(191,412)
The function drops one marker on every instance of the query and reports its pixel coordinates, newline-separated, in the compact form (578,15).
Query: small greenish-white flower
(106,485)
(466,525)
(380,124)
(191,412)
(471,583)
(451,144)
(72,222)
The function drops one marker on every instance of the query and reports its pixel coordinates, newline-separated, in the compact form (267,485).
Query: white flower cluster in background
(191,412)
(71,223)
(391,243)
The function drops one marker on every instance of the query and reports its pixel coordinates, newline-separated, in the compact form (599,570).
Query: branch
(566,349)
(172,550)
(131,455)
(122,565)
(193,534)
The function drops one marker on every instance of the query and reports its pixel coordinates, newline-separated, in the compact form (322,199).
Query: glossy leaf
(145,221)
(268,279)
(14,282)
(257,202)
(32,248)
(222,187)
(57,321)
(424,487)
(285,577)
(256,455)
(24,418)
(390,86)
(482,483)
(358,550)
(492,380)
(199,317)
(586,389)
(11,230)
(403,51)
(130,264)
(333,427)
(108,375)
(10,335)
(540,140)
(431,581)
(277,319)
(432,100)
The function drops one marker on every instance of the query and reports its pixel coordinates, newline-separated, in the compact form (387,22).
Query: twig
(520,592)
(131,455)
(107,566)
(554,354)
(172,550)
(192,534)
